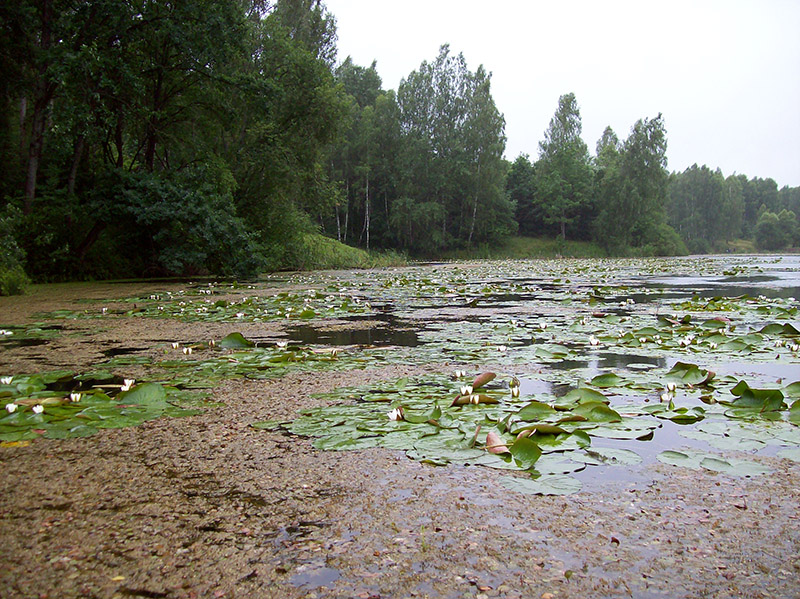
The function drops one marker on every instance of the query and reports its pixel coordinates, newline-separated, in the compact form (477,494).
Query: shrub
(13,279)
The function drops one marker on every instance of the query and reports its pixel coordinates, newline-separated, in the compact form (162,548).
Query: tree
(563,172)
(157,125)
(451,153)
(633,193)
(521,189)
(776,231)
(696,204)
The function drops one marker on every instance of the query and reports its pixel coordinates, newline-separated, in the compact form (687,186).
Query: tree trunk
(76,159)
(43,95)
(88,241)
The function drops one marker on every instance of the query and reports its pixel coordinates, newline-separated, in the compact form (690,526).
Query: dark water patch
(14,342)
(600,361)
(123,351)
(377,336)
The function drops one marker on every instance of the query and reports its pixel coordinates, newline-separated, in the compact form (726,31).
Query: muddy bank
(207,506)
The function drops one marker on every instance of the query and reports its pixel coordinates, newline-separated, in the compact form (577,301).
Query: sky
(724,74)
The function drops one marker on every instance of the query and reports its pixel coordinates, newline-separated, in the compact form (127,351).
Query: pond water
(604,364)
(557,327)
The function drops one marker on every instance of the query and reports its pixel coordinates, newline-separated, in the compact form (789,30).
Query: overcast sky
(725,74)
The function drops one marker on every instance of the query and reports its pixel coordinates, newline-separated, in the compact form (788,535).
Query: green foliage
(632,189)
(776,231)
(563,173)
(704,208)
(664,241)
(13,279)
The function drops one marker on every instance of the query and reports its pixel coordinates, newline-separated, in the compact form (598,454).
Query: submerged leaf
(548,484)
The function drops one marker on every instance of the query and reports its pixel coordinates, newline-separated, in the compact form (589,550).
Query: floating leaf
(525,451)
(689,374)
(596,411)
(608,379)
(236,341)
(536,411)
(583,394)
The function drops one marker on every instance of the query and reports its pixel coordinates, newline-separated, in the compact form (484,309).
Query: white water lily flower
(175,345)
(466,390)
(187,350)
(281,344)
(127,384)
(459,373)
(11,407)
(38,409)
(514,392)
(6,380)
(475,399)
(666,397)
(712,345)
(593,340)
(671,387)
(4,332)
(74,397)
(642,339)
(396,414)
(502,348)
(104,310)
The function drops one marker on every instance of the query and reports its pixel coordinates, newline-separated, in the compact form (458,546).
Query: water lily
(175,345)
(74,397)
(593,340)
(104,310)
(459,374)
(502,348)
(11,407)
(515,392)
(281,344)
(666,397)
(671,387)
(466,390)
(396,414)
(127,384)
(187,350)
(38,409)
(4,332)
(6,380)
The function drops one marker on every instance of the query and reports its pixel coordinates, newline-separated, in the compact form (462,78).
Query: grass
(317,252)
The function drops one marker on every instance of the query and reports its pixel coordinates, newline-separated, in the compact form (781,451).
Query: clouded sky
(724,73)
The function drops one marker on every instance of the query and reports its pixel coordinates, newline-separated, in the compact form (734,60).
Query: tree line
(150,137)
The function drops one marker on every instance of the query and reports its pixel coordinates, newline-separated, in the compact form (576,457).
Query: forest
(154,138)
